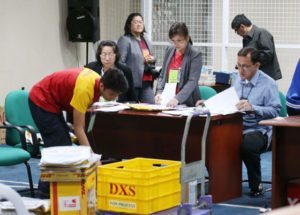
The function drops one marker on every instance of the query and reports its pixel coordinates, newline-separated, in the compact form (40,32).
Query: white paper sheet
(113,108)
(168,93)
(224,102)
(68,156)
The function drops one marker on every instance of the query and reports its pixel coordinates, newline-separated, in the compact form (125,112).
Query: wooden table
(285,156)
(130,134)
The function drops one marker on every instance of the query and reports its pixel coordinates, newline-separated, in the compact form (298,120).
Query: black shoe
(259,192)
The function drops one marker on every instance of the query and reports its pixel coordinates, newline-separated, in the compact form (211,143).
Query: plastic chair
(17,113)
(206,92)
(9,194)
(283,111)
(10,155)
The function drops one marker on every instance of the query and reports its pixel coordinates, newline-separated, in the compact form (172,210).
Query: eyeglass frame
(244,67)
(135,22)
(110,55)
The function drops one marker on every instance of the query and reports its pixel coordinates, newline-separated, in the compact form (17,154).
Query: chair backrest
(206,92)
(17,112)
(283,110)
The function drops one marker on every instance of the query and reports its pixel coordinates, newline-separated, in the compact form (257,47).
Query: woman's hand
(199,103)
(150,59)
(172,103)
(157,99)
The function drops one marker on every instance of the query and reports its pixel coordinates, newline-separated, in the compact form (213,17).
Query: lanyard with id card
(174,75)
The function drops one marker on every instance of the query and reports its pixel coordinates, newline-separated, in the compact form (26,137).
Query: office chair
(206,92)
(10,155)
(283,111)
(17,113)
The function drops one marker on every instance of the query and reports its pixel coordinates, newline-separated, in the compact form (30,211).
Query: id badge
(173,76)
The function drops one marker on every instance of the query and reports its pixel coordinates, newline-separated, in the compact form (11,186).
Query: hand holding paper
(168,93)
(223,103)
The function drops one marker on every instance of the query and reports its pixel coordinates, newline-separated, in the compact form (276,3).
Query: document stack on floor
(72,173)
(34,206)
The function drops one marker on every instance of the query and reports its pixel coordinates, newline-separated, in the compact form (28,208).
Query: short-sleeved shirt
(67,89)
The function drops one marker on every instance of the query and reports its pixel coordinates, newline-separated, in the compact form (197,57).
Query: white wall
(33,42)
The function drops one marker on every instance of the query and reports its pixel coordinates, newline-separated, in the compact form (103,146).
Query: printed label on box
(69,203)
(122,204)
(92,198)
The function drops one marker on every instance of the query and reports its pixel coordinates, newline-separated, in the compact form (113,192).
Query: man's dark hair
(109,43)
(115,80)
(127,27)
(179,28)
(254,53)
(238,20)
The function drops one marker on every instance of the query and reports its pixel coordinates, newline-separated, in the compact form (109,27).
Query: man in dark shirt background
(260,39)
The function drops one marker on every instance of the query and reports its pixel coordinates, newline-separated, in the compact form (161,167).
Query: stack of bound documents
(67,163)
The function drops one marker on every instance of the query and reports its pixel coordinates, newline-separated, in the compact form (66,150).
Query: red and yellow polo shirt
(67,89)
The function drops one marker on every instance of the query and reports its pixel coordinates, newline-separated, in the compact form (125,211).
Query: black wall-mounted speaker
(83,20)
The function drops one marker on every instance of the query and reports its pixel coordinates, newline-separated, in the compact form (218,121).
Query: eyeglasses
(237,28)
(110,55)
(135,22)
(243,67)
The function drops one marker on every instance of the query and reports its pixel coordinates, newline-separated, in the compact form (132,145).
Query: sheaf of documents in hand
(168,93)
(63,156)
(223,103)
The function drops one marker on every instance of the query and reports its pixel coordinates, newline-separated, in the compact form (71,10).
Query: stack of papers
(149,107)
(67,163)
(181,111)
(68,156)
(109,106)
(37,206)
(188,111)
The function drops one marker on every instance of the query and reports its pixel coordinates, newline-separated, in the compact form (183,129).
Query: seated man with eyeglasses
(259,98)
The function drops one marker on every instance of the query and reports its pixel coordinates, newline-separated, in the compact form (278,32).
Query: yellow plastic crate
(138,186)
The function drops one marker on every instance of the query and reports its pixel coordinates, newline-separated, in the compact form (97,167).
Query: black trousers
(254,143)
(54,131)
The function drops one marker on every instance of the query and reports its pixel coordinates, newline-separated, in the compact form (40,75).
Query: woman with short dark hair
(108,56)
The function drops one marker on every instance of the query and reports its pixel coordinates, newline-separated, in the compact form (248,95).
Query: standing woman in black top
(108,57)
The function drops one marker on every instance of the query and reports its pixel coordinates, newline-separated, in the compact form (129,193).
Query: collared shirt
(262,93)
